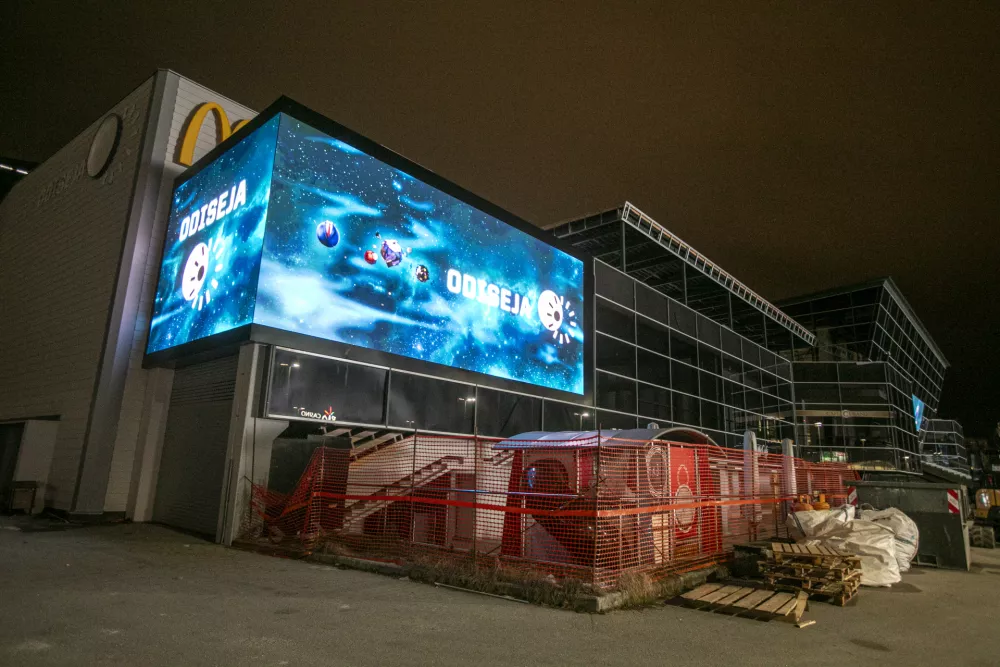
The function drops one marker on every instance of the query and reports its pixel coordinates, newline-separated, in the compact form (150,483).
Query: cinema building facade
(243,288)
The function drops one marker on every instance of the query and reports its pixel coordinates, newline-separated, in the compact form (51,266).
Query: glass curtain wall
(944,444)
(659,361)
(868,324)
(859,413)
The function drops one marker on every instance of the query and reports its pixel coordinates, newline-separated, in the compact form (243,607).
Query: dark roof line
(630,214)
(888,283)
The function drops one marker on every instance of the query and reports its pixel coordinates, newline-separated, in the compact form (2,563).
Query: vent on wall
(207,382)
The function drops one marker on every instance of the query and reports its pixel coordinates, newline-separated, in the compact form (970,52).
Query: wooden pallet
(822,556)
(747,601)
(809,572)
(819,571)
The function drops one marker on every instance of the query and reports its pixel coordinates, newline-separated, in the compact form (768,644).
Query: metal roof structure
(652,254)
(892,288)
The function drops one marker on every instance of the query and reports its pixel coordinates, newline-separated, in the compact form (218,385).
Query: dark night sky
(800,145)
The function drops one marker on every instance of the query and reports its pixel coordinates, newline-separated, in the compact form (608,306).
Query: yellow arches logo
(189,137)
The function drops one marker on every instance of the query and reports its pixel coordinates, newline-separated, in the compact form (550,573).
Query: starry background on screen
(235,243)
(335,294)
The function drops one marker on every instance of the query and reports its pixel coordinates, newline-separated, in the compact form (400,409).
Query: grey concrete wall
(182,96)
(61,238)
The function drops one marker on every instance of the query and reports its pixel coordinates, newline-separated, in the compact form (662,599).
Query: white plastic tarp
(804,525)
(903,528)
(873,542)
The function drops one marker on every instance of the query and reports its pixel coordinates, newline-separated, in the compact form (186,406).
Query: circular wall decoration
(104,145)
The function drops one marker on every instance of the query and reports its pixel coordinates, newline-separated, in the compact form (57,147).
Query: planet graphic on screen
(327,234)
(392,253)
(422,274)
(370,256)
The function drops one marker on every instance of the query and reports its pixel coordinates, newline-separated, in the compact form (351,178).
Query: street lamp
(581,415)
(465,406)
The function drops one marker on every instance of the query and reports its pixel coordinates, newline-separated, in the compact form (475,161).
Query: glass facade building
(855,385)
(678,341)
(944,444)
(854,412)
(870,322)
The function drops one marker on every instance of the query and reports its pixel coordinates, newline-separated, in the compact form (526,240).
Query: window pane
(683,319)
(653,368)
(864,393)
(418,402)
(564,417)
(615,356)
(732,368)
(615,320)
(683,348)
(684,378)
(709,332)
(653,336)
(862,373)
(686,409)
(613,284)
(503,414)
(807,372)
(711,415)
(615,392)
(654,402)
(302,382)
(711,386)
(817,393)
(611,420)
(651,303)
(731,343)
(710,359)
(734,394)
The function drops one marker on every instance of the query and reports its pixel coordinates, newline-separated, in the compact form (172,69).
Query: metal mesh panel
(585,509)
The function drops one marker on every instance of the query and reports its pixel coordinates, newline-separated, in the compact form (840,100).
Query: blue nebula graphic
(450,284)
(208,275)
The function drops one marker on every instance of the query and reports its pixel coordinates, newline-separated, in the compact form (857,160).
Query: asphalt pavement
(146,595)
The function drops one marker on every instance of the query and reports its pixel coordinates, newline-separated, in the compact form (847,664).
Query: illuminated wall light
(21,171)
(8,168)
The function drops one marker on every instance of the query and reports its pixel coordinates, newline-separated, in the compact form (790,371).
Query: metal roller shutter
(189,487)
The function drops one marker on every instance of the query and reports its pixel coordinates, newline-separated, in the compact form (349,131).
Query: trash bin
(940,512)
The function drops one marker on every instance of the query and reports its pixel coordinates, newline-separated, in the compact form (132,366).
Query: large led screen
(361,253)
(211,254)
(295,230)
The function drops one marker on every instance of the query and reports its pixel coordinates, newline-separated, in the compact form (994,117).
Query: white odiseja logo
(196,272)
(556,316)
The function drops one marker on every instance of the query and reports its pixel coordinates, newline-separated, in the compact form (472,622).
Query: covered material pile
(884,541)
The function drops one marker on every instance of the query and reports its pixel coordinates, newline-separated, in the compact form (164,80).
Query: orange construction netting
(591,509)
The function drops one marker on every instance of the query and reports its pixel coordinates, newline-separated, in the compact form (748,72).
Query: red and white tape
(852,496)
(954,507)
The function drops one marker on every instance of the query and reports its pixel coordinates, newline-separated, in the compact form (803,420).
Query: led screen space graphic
(358,252)
(211,254)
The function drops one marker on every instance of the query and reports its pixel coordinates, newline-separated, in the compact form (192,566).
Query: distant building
(865,388)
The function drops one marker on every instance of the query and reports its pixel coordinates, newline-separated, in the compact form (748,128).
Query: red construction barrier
(587,509)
